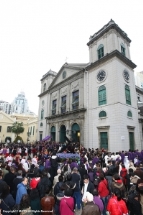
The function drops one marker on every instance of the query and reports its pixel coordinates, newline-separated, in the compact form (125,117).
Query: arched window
(102,114)
(41,124)
(129,114)
(123,49)
(127,94)
(100,51)
(102,95)
(42,114)
(53,129)
(44,87)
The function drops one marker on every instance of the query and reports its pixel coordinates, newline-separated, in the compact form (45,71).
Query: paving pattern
(78,212)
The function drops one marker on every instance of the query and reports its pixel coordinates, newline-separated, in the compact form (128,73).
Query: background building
(139,79)
(5,107)
(20,104)
(95,103)
(29,122)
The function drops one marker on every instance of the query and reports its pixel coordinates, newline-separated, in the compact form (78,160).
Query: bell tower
(112,111)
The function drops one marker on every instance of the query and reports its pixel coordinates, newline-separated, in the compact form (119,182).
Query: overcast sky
(38,35)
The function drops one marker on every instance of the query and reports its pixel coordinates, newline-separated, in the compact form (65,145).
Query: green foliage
(18,138)
(17,128)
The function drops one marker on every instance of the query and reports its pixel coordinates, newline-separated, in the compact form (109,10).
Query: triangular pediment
(66,71)
(5,118)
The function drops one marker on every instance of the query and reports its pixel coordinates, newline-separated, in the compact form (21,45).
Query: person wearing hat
(90,208)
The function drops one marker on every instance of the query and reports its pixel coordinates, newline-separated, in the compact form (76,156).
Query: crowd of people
(35,180)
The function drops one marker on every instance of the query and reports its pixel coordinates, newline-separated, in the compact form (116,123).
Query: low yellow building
(29,123)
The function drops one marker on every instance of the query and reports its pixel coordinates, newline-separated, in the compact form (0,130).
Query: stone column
(81,124)
(57,132)
(47,132)
(69,129)
(58,102)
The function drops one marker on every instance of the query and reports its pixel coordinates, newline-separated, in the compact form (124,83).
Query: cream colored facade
(29,123)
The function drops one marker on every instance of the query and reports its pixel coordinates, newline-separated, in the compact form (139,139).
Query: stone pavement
(78,212)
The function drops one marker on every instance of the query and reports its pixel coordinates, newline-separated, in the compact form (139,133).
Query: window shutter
(102,95)
(127,94)
(102,114)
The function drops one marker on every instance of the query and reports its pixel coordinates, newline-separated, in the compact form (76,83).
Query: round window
(64,74)
(126,75)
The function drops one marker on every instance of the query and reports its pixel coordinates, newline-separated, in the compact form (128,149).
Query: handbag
(68,206)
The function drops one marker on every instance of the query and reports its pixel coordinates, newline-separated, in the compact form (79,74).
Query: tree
(17,128)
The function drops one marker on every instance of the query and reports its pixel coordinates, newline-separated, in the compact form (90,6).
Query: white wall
(116,107)
(111,41)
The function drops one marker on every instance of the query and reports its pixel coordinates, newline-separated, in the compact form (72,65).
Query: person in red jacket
(116,205)
(103,191)
(123,174)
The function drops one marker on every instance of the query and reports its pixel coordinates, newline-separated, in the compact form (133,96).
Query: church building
(95,103)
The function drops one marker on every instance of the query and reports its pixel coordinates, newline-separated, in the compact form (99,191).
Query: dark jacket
(90,187)
(36,206)
(82,172)
(90,208)
(54,161)
(9,177)
(2,183)
(7,204)
(75,177)
(134,206)
(57,188)
(57,204)
(16,181)
(42,186)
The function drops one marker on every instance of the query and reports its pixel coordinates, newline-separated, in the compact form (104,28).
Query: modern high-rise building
(5,107)
(139,79)
(20,104)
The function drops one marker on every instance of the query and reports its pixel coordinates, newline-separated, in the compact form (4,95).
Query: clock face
(101,75)
(126,75)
